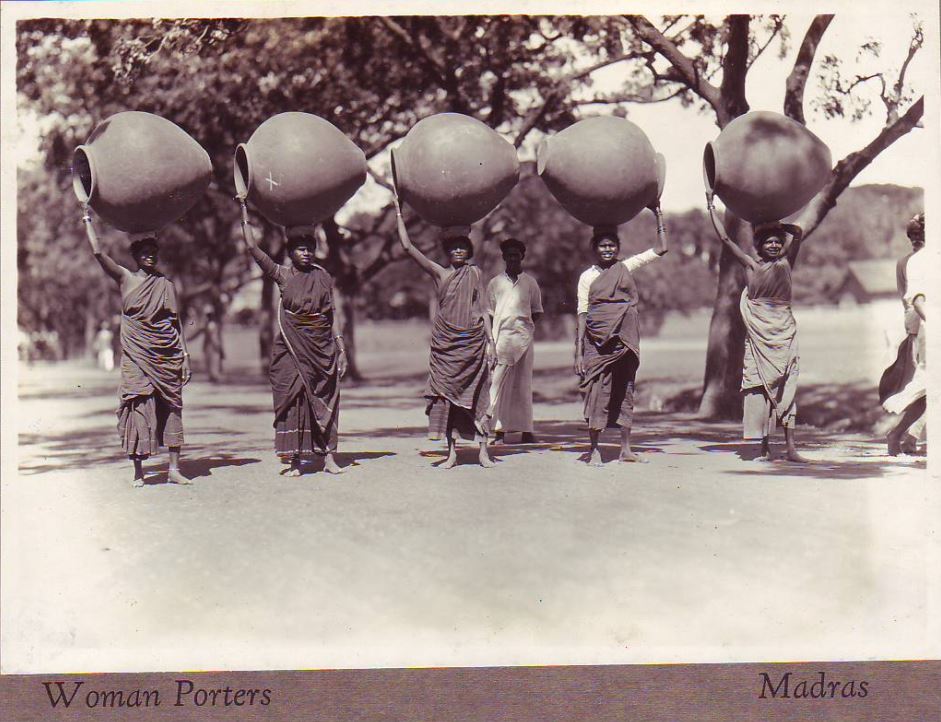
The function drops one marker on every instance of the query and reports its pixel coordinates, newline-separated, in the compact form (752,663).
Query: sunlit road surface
(699,554)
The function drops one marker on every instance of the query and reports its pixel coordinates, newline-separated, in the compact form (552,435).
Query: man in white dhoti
(515,303)
(902,387)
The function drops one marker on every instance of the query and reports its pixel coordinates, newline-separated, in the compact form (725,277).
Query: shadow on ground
(91,447)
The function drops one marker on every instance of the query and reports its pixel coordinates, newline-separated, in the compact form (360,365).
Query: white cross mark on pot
(271,182)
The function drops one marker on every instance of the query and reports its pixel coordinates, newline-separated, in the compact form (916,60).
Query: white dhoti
(511,392)
(512,304)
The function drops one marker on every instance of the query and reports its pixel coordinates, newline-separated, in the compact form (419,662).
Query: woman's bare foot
(792,455)
(331,466)
(485,460)
(595,458)
(294,469)
(631,457)
(450,462)
(174,476)
(137,483)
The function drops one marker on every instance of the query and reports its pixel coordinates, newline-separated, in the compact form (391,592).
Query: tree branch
(684,65)
(430,62)
(632,98)
(778,25)
(797,80)
(853,164)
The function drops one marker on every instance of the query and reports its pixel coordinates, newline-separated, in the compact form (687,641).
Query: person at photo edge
(902,388)
(462,348)
(308,357)
(514,303)
(154,361)
(607,342)
(771,362)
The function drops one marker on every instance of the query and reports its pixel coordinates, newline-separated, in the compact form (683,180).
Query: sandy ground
(699,554)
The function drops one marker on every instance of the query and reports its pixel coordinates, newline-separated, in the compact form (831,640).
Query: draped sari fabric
(611,354)
(304,374)
(304,371)
(458,387)
(772,362)
(905,381)
(151,390)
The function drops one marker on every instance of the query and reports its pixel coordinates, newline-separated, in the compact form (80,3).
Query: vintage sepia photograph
(484,335)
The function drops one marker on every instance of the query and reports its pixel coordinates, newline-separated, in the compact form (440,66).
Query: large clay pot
(140,171)
(298,169)
(453,170)
(765,166)
(603,170)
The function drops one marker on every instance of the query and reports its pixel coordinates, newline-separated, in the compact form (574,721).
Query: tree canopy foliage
(374,77)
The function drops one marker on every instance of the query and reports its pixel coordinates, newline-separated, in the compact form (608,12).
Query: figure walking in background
(902,387)
(772,361)
(462,348)
(607,342)
(308,357)
(104,352)
(514,303)
(154,361)
(213,349)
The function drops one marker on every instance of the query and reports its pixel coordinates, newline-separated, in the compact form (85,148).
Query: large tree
(706,65)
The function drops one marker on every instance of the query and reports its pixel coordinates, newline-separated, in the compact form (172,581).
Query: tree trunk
(267,309)
(721,397)
(266,322)
(345,299)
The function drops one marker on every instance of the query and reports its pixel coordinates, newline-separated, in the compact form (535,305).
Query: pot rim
(243,183)
(84,195)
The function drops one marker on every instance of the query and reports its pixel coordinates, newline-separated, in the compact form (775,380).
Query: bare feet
(765,457)
(595,458)
(792,455)
(137,483)
(894,444)
(331,466)
(450,462)
(485,460)
(294,469)
(630,456)
(175,477)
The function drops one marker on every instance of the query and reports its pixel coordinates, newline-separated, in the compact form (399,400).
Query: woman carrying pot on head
(462,348)
(607,343)
(154,361)
(308,358)
(771,365)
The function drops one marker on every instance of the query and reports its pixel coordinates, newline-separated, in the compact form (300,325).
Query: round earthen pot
(140,171)
(453,170)
(765,166)
(298,169)
(603,170)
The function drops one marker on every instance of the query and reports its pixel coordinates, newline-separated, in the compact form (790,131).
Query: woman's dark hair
(763,233)
(295,241)
(916,227)
(449,243)
(605,235)
(137,245)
